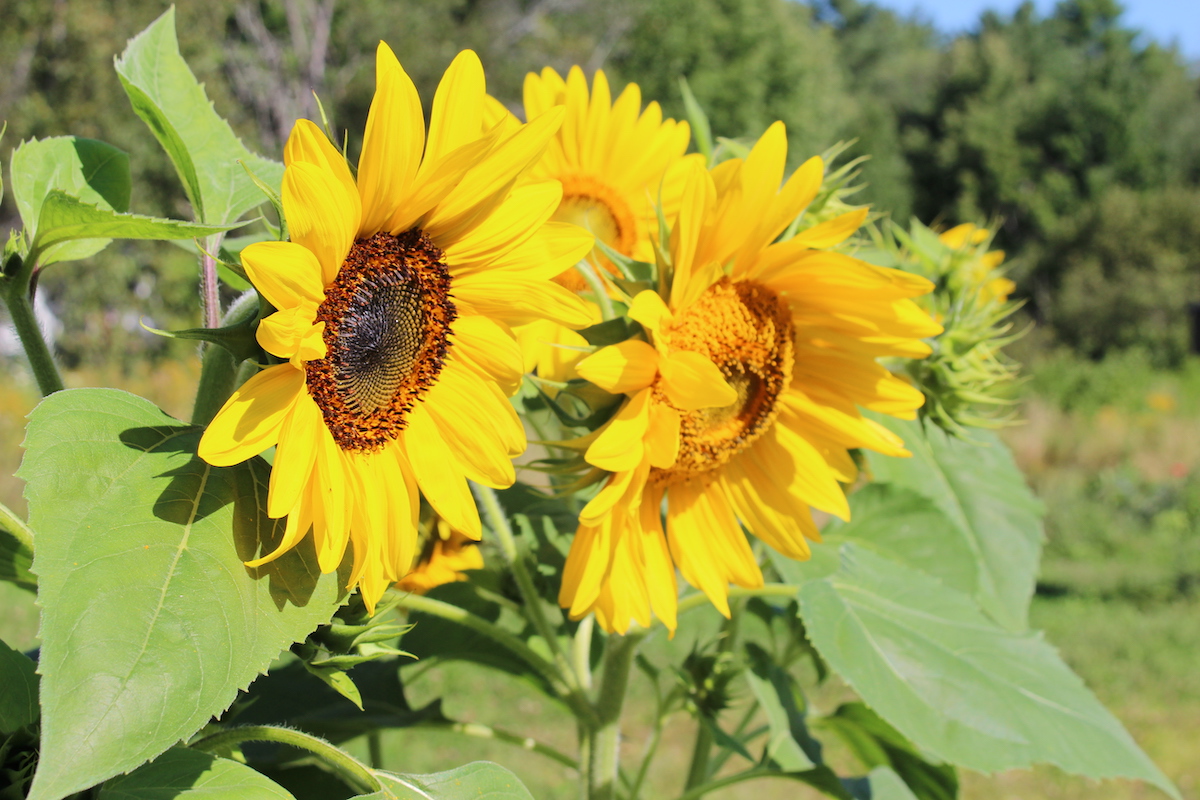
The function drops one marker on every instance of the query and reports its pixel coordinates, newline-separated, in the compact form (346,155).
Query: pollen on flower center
(746,329)
(387,322)
(595,206)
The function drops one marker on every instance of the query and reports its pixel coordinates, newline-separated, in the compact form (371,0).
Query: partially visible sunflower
(979,266)
(614,159)
(742,405)
(447,555)
(395,296)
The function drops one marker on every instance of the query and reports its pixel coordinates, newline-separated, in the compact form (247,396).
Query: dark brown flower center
(747,330)
(387,322)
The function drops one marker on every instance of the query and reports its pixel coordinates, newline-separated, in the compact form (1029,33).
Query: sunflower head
(613,158)
(395,299)
(968,380)
(759,345)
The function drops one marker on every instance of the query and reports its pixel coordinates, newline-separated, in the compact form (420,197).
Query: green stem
(581,651)
(218,376)
(16,526)
(724,754)
(699,791)
(595,283)
(701,749)
(480,731)
(647,757)
(498,522)
(375,749)
(20,310)
(355,774)
(604,754)
(446,611)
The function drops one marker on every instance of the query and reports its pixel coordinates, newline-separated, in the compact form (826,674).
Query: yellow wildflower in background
(395,296)
(742,405)
(614,160)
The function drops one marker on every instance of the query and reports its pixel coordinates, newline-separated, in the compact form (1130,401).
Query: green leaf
(292,696)
(701,130)
(204,149)
(16,555)
(980,489)
(881,783)
(65,218)
(878,744)
(184,773)
(957,685)
(910,528)
(790,746)
(479,780)
(19,697)
(91,170)
(150,620)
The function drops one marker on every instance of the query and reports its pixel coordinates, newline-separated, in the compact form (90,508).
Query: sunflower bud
(967,380)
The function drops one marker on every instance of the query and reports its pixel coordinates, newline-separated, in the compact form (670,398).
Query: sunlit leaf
(15,555)
(957,685)
(150,621)
(192,775)
(479,780)
(979,488)
(204,149)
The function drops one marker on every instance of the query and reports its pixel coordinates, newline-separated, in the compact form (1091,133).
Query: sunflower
(447,555)
(614,160)
(395,296)
(743,401)
(979,266)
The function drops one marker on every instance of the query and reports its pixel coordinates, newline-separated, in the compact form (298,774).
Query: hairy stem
(20,310)
(604,752)
(210,292)
(355,774)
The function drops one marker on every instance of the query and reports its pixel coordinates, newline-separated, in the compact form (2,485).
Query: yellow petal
(251,419)
(437,473)
(516,301)
(284,333)
(320,216)
(488,348)
(392,143)
(294,456)
(621,368)
(457,115)
(286,273)
(649,309)
(477,424)
(619,446)
(662,438)
(832,232)
(691,381)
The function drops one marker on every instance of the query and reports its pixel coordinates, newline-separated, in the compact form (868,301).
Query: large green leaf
(193,775)
(204,149)
(880,783)
(150,621)
(479,780)
(790,747)
(91,170)
(65,218)
(18,690)
(957,685)
(978,486)
(910,528)
(15,554)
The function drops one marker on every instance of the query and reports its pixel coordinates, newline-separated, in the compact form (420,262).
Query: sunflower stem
(498,522)
(355,774)
(210,291)
(604,754)
(581,651)
(595,283)
(218,378)
(16,527)
(20,310)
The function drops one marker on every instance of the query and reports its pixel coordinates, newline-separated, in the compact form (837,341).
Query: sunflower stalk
(604,750)
(210,293)
(20,310)
(532,605)
(352,772)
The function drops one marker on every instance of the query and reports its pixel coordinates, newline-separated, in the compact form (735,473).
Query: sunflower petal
(251,419)
(621,368)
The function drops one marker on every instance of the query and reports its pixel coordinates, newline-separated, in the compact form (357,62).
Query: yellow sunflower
(395,296)
(447,555)
(614,160)
(980,265)
(743,402)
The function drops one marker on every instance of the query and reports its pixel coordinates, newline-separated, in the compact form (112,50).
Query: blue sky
(1164,20)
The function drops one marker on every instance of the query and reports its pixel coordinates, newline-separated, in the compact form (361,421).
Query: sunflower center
(597,207)
(746,329)
(387,322)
